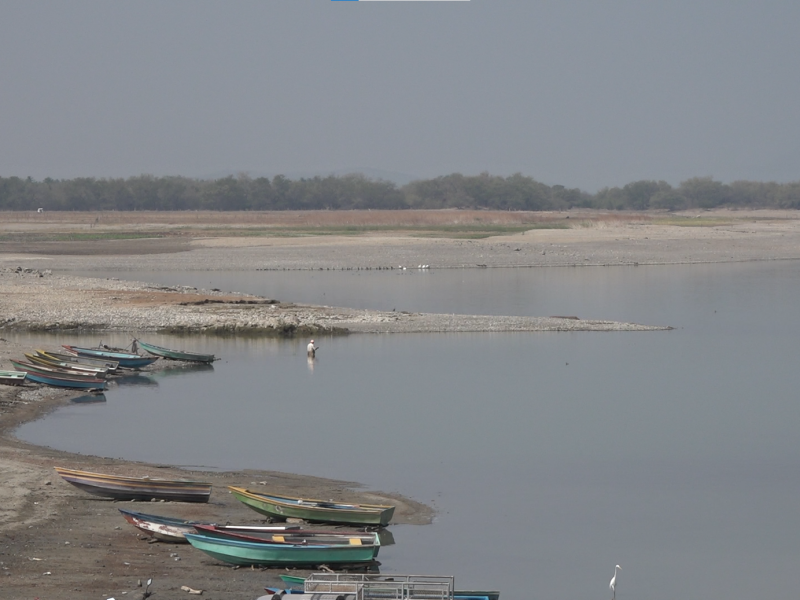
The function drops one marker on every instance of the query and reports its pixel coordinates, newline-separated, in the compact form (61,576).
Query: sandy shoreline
(61,543)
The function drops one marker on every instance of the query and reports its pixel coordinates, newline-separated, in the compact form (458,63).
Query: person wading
(311,349)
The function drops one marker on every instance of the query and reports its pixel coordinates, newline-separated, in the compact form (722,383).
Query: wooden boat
(168,529)
(12,377)
(382,586)
(305,536)
(57,371)
(239,552)
(315,511)
(137,488)
(127,360)
(62,364)
(64,382)
(176,354)
(111,365)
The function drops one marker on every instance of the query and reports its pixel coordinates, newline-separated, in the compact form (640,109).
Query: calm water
(549,457)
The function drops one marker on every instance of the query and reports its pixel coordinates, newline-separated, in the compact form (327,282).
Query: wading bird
(613,585)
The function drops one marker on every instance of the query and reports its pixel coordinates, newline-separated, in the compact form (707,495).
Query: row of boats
(248,545)
(352,536)
(89,368)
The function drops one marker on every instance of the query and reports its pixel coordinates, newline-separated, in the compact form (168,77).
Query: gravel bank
(78,303)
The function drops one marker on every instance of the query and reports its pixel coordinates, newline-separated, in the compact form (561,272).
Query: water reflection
(134,379)
(89,398)
(182,369)
(386,537)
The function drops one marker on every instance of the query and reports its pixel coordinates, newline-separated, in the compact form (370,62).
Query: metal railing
(382,587)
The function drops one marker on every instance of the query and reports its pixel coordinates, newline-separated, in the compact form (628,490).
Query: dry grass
(365,219)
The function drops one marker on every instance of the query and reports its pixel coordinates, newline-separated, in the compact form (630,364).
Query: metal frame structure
(364,586)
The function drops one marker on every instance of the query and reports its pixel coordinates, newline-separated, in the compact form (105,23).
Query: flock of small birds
(402,268)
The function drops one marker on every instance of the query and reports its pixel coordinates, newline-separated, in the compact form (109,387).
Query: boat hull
(51,363)
(78,384)
(176,354)
(162,528)
(56,371)
(111,365)
(12,377)
(243,553)
(259,535)
(125,359)
(136,488)
(282,508)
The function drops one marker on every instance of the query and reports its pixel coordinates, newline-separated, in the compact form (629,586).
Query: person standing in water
(311,349)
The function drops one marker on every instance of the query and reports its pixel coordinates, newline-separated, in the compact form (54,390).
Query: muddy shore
(57,542)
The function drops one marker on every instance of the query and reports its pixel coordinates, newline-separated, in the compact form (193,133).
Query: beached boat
(46,361)
(111,365)
(176,354)
(12,377)
(126,360)
(137,488)
(165,529)
(169,529)
(57,371)
(369,585)
(315,511)
(239,552)
(304,536)
(63,381)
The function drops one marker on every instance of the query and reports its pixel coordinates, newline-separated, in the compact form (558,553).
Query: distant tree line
(486,191)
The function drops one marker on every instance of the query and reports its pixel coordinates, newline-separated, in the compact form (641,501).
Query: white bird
(613,585)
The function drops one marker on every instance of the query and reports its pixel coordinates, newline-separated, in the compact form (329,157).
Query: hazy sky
(586,94)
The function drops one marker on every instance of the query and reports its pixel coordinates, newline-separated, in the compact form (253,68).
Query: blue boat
(127,360)
(80,384)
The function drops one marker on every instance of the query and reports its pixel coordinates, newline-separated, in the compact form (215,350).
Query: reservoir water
(549,457)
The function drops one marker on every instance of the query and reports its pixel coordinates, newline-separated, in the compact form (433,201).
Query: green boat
(314,511)
(176,354)
(238,552)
